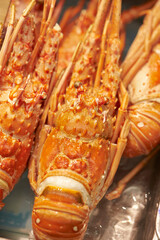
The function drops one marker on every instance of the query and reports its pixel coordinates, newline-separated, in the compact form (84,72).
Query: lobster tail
(53,219)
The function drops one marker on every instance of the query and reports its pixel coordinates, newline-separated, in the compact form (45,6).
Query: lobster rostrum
(23,89)
(75,159)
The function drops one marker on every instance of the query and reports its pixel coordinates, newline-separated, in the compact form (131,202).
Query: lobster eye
(77,84)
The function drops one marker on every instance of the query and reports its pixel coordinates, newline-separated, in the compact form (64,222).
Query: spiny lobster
(84,131)
(24,89)
(74,160)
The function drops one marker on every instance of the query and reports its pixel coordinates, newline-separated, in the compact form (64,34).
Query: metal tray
(134,216)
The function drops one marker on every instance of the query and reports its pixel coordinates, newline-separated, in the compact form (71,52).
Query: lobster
(140,74)
(84,130)
(141,85)
(74,160)
(75,31)
(26,77)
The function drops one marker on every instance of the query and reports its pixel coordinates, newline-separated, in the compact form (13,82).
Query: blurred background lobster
(140,75)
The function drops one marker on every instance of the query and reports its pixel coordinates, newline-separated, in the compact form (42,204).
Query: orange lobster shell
(71,166)
(23,93)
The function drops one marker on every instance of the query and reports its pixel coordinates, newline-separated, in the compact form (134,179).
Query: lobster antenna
(102,55)
(40,39)
(113,49)
(18,27)
(44,16)
(63,81)
(7,37)
(137,55)
(95,33)
(57,12)
(101,16)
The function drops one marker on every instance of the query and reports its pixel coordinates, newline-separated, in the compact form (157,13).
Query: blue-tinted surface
(16,214)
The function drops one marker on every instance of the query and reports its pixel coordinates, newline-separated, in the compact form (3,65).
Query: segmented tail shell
(59,220)
(145,128)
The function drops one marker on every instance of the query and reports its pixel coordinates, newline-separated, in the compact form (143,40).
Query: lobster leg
(136,11)
(49,6)
(122,111)
(123,182)
(33,163)
(121,144)
(102,56)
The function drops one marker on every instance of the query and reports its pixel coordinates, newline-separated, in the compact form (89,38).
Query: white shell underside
(66,183)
